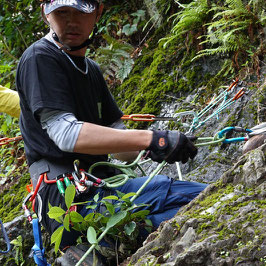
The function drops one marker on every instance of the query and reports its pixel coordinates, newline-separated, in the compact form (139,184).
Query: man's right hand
(171,146)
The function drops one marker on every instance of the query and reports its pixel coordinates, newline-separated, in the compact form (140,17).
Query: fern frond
(115,59)
(190,18)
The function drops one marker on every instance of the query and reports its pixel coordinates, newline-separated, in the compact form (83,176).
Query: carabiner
(25,208)
(98,182)
(139,117)
(236,129)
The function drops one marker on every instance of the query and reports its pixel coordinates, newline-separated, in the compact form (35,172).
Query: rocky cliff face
(224,225)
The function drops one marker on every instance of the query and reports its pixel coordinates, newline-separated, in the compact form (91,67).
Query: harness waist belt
(52,169)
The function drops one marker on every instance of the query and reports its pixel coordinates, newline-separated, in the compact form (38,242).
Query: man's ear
(43,15)
(99,12)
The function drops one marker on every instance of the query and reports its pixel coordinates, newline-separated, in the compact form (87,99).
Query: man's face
(72,26)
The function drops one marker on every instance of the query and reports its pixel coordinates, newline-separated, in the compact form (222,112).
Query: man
(67,113)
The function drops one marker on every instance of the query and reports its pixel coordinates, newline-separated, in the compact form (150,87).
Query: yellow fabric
(9,102)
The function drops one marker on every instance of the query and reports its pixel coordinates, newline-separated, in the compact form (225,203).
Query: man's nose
(73,17)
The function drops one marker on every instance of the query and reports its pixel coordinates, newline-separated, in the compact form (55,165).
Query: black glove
(171,146)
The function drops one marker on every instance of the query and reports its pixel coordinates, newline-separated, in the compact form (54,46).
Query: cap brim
(82,6)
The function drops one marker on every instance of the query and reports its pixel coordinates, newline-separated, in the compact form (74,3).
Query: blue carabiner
(236,129)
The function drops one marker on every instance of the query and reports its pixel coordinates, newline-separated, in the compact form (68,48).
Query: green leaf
(119,193)
(56,245)
(75,217)
(16,242)
(89,217)
(66,222)
(112,197)
(70,195)
(149,225)
(76,227)
(141,214)
(116,218)
(59,219)
(130,228)
(110,207)
(91,235)
(56,212)
(91,207)
(57,234)
(148,222)
(129,29)
(96,197)
(97,217)
(128,195)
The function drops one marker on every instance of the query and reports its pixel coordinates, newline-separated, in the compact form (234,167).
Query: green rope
(209,140)
(128,171)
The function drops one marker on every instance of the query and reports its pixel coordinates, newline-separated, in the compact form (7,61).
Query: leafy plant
(120,221)
(191,17)
(231,29)
(19,27)
(130,28)
(115,58)
(19,252)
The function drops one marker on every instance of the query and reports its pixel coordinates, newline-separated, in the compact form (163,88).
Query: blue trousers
(164,196)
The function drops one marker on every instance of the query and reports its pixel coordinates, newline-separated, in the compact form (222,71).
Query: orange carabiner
(139,117)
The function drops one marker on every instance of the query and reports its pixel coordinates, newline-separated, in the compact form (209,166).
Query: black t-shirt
(47,79)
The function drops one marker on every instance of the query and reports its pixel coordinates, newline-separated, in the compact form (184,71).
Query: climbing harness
(6,239)
(83,180)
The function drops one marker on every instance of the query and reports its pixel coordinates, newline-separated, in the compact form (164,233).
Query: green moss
(11,200)
(158,74)
(203,226)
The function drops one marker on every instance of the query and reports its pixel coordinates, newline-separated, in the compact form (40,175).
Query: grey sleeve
(63,128)
(119,124)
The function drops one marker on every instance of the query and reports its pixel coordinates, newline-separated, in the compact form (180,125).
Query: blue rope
(6,239)
(38,250)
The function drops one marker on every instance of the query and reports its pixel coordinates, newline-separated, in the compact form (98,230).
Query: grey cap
(85,6)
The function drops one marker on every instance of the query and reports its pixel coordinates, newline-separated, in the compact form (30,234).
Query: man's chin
(73,43)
